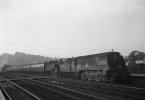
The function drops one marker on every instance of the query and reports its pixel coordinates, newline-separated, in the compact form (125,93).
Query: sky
(66,28)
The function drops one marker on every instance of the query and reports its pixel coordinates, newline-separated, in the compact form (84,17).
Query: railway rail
(51,91)
(131,93)
(4,95)
(12,91)
(123,92)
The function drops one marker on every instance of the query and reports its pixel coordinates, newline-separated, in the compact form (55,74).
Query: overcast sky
(65,28)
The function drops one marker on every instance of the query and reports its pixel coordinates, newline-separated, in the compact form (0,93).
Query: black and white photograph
(72,49)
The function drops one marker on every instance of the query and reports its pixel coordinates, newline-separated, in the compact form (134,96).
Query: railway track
(123,92)
(109,91)
(12,91)
(51,91)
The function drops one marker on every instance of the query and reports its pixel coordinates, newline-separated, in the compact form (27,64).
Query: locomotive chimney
(112,50)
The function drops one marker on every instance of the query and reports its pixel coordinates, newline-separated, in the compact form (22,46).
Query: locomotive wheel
(96,78)
(103,79)
(113,78)
(83,76)
(89,77)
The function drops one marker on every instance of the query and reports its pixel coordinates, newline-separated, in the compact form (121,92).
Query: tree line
(135,55)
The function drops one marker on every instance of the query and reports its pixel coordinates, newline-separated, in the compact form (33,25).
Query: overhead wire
(45,47)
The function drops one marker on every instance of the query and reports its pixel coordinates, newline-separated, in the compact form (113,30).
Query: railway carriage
(9,69)
(137,68)
(33,68)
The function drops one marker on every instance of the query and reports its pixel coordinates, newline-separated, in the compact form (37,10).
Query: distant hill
(19,58)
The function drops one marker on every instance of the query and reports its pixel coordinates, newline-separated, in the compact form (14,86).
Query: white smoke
(3,62)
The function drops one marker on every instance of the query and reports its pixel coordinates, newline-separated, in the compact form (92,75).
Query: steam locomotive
(108,66)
